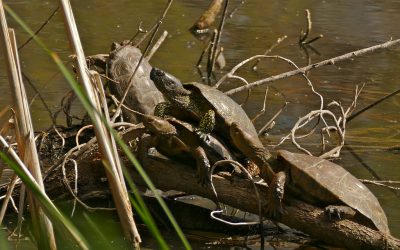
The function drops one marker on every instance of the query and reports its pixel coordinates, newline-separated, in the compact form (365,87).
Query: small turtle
(197,102)
(178,139)
(143,96)
(317,181)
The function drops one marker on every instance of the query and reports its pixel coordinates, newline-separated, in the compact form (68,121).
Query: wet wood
(233,191)
(208,17)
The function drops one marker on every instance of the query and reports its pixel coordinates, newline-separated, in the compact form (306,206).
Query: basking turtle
(178,139)
(210,107)
(143,96)
(317,181)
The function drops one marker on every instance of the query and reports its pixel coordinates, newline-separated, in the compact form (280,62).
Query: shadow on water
(346,26)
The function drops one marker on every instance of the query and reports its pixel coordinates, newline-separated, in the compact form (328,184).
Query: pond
(254,27)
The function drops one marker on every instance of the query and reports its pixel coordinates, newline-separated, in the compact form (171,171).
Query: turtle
(181,140)
(211,108)
(316,181)
(143,96)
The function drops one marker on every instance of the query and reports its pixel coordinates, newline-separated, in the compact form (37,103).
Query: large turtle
(143,96)
(317,181)
(210,107)
(178,139)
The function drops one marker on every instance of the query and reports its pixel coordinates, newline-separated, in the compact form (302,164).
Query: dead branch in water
(305,69)
(339,126)
(208,16)
(304,35)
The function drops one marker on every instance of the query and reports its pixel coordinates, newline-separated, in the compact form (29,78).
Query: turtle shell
(331,184)
(225,108)
(143,95)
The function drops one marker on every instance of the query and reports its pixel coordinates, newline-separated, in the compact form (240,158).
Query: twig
(157,45)
(138,31)
(304,36)
(262,111)
(40,97)
(205,50)
(220,28)
(381,183)
(10,190)
(236,8)
(330,61)
(157,26)
(271,122)
(210,55)
(40,28)
(372,105)
(273,46)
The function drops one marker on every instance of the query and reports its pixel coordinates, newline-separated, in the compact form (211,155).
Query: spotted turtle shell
(226,109)
(331,184)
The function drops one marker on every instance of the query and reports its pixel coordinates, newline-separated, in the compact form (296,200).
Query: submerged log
(232,190)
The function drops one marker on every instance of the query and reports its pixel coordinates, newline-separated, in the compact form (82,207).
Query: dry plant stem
(262,111)
(74,192)
(372,105)
(157,26)
(210,55)
(109,155)
(21,208)
(236,8)
(24,169)
(302,70)
(24,130)
(304,36)
(40,28)
(157,45)
(381,184)
(40,97)
(10,189)
(206,49)
(220,28)
(138,31)
(271,122)
(273,46)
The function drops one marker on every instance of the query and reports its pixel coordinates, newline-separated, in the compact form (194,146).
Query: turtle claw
(339,212)
(275,195)
(203,178)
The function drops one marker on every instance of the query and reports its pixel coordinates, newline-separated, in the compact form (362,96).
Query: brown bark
(208,17)
(233,191)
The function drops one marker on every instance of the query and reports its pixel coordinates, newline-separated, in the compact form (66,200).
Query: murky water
(346,26)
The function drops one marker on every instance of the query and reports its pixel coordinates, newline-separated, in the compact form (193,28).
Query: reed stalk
(106,142)
(43,229)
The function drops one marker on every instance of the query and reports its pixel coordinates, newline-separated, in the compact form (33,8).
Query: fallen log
(232,190)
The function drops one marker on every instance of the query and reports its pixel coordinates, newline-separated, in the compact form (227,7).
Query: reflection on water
(346,26)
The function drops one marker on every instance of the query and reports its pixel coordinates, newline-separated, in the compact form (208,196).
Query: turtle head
(168,84)
(157,125)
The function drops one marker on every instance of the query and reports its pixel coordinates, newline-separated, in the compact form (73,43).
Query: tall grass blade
(59,220)
(83,98)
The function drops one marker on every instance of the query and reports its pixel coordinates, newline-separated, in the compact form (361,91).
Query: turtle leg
(275,195)
(162,109)
(203,165)
(339,212)
(207,122)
